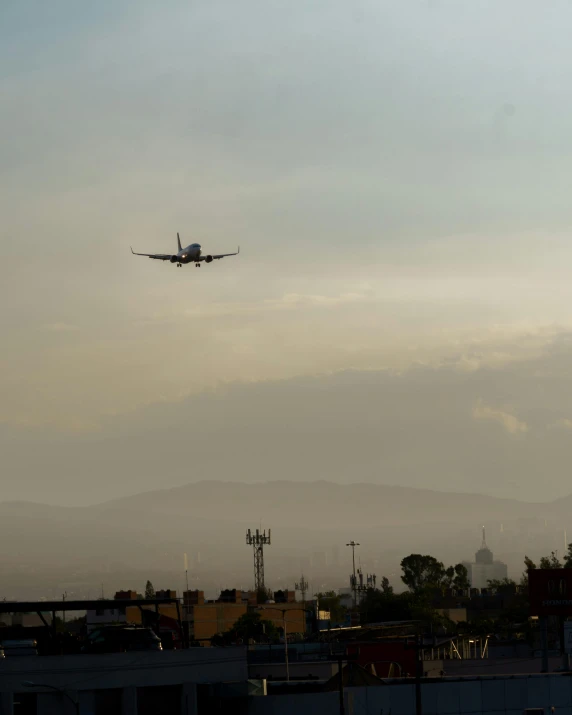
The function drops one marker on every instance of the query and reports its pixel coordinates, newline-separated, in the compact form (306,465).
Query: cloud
(563,424)
(60,328)
(288,302)
(510,422)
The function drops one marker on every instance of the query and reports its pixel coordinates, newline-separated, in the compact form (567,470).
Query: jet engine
(208,259)
(174,259)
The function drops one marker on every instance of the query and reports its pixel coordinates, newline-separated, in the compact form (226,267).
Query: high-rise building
(485,568)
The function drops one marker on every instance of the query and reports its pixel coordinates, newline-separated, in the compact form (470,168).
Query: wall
(134,615)
(213,618)
(295,616)
(119,670)
(477,696)
(89,678)
(321,670)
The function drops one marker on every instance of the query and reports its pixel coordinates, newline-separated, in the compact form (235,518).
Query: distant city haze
(122,543)
(397,176)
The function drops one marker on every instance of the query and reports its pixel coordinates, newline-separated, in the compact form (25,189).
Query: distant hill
(321,504)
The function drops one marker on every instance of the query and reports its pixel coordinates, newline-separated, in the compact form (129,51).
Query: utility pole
(303,587)
(341,684)
(186,564)
(286,646)
(353,544)
(284,611)
(418,674)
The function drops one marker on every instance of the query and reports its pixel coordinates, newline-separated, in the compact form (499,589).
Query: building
(209,618)
(164,615)
(485,568)
(25,620)
(97,617)
(293,614)
(138,683)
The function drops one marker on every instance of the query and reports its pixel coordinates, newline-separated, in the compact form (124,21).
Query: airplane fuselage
(190,254)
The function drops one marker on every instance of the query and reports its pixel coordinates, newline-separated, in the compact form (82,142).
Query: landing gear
(197,265)
(179,265)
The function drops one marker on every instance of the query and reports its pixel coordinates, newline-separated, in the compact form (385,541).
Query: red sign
(550,592)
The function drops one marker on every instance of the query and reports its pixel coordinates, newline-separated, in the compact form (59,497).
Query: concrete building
(439,696)
(294,614)
(124,613)
(26,620)
(485,568)
(208,618)
(143,683)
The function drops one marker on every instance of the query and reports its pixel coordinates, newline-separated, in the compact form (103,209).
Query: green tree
(251,626)
(550,562)
(149,590)
(529,565)
(461,580)
(263,595)
(378,605)
(422,572)
(505,585)
(386,587)
(456,577)
(332,602)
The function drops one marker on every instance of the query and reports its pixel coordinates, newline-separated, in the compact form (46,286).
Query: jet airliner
(190,254)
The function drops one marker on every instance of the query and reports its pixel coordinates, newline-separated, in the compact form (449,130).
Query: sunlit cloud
(508,421)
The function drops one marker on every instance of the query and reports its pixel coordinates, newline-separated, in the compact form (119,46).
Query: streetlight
(61,691)
(353,544)
(284,611)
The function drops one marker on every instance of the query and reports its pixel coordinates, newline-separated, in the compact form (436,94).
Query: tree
(263,595)
(422,572)
(386,587)
(378,605)
(332,602)
(505,585)
(251,626)
(149,591)
(550,562)
(461,580)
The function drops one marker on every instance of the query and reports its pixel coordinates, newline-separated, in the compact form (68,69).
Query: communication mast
(303,587)
(361,585)
(353,580)
(258,540)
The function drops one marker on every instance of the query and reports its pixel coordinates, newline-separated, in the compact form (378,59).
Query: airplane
(190,254)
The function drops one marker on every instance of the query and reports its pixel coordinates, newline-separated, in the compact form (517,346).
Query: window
(25,704)
(159,700)
(108,701)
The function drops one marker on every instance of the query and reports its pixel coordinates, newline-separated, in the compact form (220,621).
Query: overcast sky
(396,173)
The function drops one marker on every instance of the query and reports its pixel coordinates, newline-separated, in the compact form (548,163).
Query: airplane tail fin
(179,242)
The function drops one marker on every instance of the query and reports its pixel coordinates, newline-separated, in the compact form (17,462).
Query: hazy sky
(396,173)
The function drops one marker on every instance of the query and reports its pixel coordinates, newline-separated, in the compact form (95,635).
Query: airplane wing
(224,255)
(158,256)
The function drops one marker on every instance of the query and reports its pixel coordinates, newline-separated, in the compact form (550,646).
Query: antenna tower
(303,587)
(359,585)
(353,579)
(258,540)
